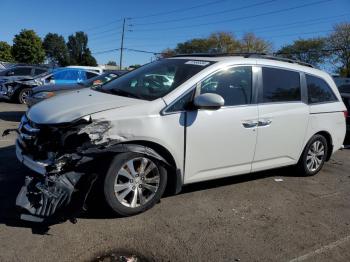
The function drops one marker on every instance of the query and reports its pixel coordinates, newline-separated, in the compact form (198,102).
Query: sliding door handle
(265,122)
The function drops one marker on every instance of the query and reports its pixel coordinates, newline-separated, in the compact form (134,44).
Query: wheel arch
(175,180)
(329,139)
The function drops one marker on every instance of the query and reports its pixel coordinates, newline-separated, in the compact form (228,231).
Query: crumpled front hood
(74,105)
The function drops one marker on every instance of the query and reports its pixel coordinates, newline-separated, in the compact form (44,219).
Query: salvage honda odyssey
(205,117)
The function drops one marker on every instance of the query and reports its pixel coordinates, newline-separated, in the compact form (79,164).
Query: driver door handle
(250,124)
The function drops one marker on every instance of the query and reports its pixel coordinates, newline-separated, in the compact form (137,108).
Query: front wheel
(314,156)
(134,183)
(23,95)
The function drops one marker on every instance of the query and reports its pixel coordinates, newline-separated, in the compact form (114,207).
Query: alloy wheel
(137,182)
(315,156)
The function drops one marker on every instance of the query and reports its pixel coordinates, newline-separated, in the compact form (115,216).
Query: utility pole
(122,46)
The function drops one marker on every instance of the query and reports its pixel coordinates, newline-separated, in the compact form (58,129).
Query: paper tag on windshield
(196,62)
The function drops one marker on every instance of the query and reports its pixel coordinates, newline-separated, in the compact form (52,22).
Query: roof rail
(248,55)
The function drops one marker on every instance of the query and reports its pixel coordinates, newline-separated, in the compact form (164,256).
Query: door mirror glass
(209,101)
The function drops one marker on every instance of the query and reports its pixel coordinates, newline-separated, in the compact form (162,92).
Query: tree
(27,48)
(5,52)
(339,46)
(56,49)
(112,63)
(250,43)
(307,50)
(135,66)
(79,53)
(223,42)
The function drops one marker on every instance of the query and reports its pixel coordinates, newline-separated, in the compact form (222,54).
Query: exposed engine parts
(69,155)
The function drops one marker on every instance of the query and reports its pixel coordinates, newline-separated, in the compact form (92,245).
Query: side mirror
(10,73)
(209,101)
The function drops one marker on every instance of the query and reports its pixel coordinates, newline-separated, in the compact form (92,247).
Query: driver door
(221,142)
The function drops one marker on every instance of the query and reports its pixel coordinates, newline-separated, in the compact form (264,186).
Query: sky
(158,24)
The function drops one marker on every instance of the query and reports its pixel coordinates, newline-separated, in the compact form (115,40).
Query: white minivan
(219,116)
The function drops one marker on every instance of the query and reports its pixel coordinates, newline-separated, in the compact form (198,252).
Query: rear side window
(280,85)
(318,90)
(90,75)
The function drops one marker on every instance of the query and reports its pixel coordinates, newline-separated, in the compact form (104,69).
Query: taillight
(346,114)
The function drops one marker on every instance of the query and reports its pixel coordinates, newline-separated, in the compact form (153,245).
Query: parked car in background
(20,89)
(40,93)
(19,72)
(344,89)
(221,116)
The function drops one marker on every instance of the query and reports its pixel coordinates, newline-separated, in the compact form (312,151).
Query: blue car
(19,90)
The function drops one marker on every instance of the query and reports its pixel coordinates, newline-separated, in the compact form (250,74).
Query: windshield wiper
(124,93)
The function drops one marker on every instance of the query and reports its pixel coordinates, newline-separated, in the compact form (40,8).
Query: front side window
(156,79)
(280,85)
(318,90)
(233,84)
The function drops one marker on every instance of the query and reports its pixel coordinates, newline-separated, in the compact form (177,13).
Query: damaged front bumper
(37,166)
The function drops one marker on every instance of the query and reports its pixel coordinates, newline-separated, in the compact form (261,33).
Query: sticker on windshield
(196,62)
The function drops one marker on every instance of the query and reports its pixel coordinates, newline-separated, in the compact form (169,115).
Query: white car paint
(208,144)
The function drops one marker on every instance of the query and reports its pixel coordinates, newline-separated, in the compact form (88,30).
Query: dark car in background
(20,89)
(345,94)
(18,72)
(43,92)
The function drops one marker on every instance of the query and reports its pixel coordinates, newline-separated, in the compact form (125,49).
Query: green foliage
(5,52)
(339,43)
(112,63)
(221,42)
(79,52)
(27,48)
(250,43)
(135,66)
(56,49)
(307,50)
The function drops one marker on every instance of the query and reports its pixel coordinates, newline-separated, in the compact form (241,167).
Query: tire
(120,184)
(22,94)
(313,156)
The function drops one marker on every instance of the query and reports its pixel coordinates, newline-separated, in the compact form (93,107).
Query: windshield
(156,79)
(99,80)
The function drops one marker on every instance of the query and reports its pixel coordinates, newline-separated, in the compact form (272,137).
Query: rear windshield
(156,79)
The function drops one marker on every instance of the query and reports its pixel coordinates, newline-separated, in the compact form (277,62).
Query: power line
(258,29)
(210,14)
(179,10)
(243,17)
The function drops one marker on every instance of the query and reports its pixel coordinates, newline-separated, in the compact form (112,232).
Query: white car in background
(221,116)
(88,68)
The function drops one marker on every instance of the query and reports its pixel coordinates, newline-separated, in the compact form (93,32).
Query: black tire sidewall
(109,180)
(303,163)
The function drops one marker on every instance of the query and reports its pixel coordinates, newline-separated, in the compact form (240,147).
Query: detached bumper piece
(49,198)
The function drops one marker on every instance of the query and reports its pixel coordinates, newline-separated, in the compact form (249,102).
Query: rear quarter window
(319,91)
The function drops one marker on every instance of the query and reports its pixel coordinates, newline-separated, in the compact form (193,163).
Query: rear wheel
(134,183)
(23,95)
(314,156)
